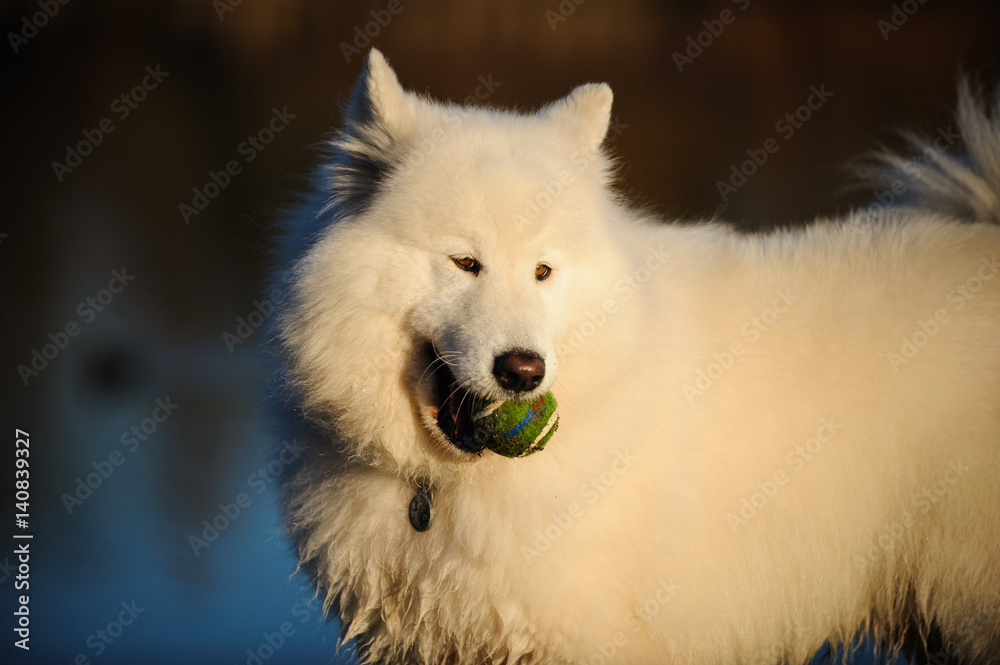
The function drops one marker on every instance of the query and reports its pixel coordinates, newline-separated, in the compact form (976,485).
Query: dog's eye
(542,271)
(468,264)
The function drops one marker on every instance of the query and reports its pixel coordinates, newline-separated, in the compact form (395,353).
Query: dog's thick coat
(765,441)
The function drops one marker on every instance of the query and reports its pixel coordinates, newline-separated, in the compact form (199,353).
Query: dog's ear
(362,155)
(379,99)
(584,114)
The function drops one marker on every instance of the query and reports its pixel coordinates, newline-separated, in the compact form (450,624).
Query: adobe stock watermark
(922,501)
(914,169)
(248,149)
(428,145)
(563,11)
(121,107)
(777,651)
(258,481)
(364,34)
(900,14)
(968,628)
(549,191)
(303,610)
(697,44)
(223,7)
(796,459)
(248,325)
(591,491)
(640,618)
(101,639)
(389,360)
(131,439)
(927,329)
(625,288)
(786,127)
(47,10)
(87,310)
(7,570)
(484,88)
(752,330)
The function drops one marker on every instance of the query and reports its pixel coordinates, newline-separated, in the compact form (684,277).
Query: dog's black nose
(519,371)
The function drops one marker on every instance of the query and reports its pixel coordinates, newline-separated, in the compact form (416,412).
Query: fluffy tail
(942,177)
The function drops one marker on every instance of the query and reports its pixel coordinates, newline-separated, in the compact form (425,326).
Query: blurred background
(133,261)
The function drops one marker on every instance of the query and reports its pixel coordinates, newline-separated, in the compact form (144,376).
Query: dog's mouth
(445,407)
(454,409)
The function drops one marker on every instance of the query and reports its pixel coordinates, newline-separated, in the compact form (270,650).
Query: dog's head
(443,257)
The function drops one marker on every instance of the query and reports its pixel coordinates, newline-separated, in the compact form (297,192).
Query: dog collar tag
(421,509)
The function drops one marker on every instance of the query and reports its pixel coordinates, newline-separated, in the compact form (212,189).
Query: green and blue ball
(516,428)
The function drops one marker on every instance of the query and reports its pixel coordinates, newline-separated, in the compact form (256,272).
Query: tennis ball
(516,428)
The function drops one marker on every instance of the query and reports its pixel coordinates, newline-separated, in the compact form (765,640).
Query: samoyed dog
(765,443)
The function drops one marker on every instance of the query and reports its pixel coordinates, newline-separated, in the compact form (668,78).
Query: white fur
(695,368)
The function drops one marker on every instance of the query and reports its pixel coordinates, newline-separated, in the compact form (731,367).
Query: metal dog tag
(421,509)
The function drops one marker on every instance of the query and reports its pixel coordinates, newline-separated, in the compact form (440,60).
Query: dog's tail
(956,172)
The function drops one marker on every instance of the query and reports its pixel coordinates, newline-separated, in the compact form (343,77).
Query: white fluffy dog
(766,442)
